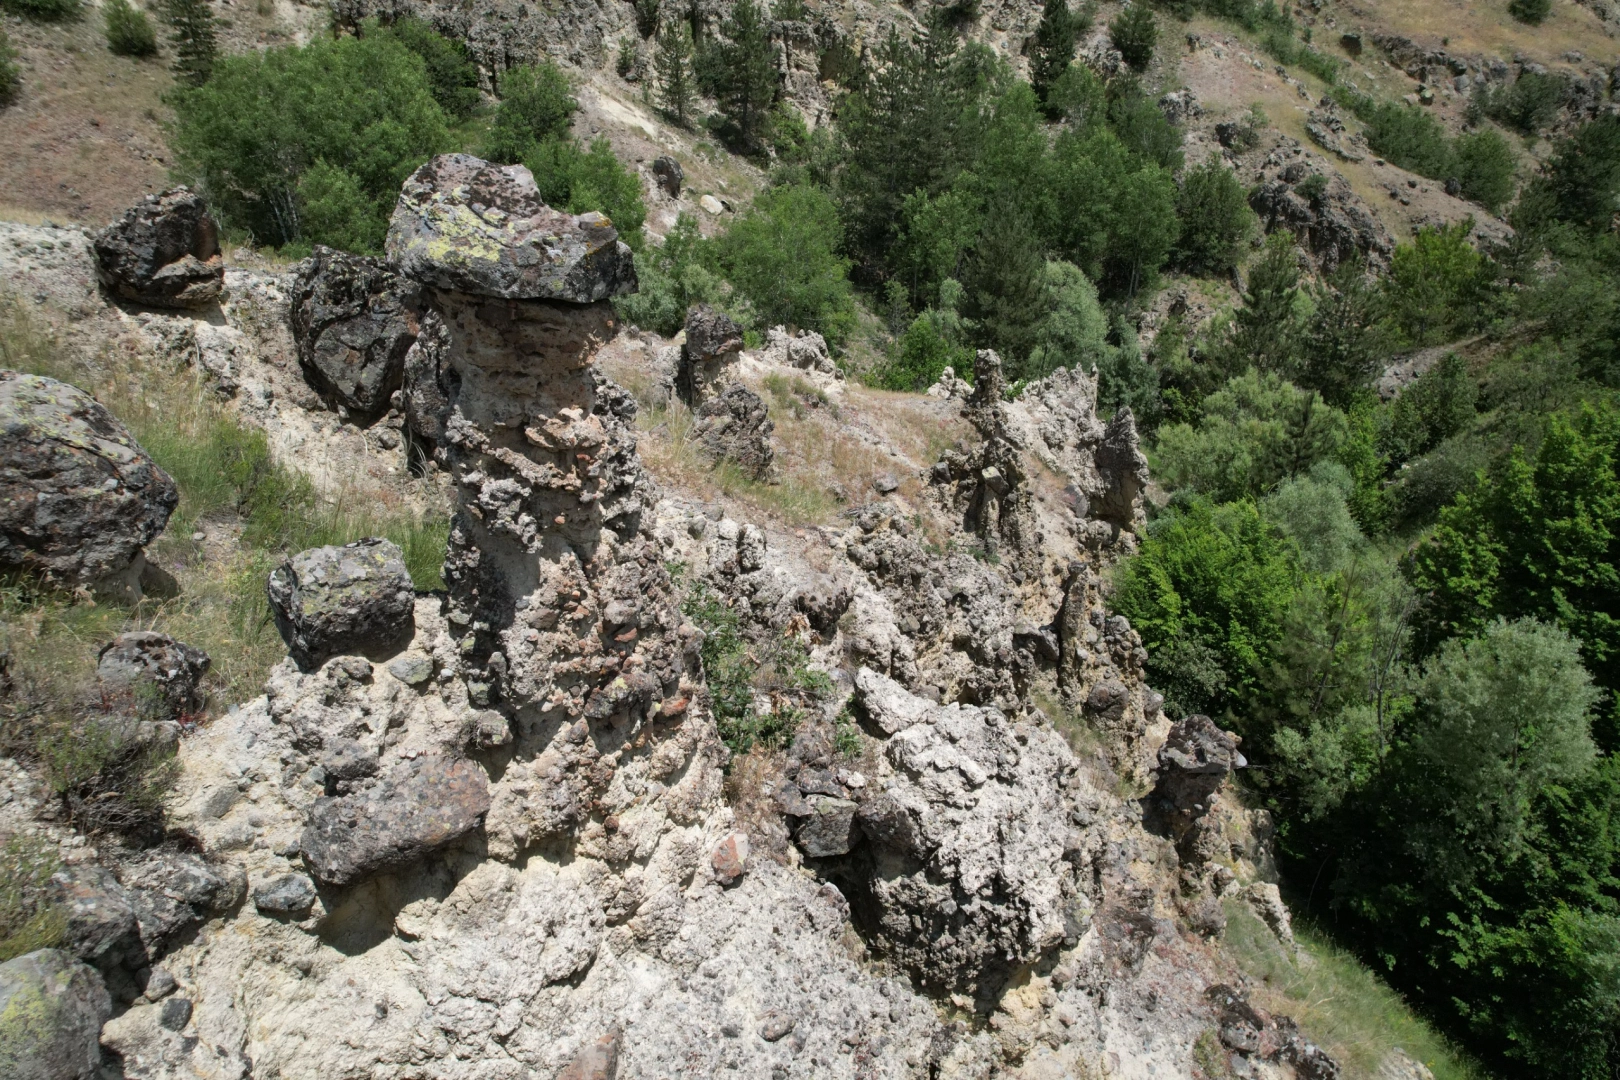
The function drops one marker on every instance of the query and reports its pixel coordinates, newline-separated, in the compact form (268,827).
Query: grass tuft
(29,919)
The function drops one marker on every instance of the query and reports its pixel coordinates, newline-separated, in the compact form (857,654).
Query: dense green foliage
(1135,33)
(310,144)
(1481,164)
(537,105)
(1216,220)
(677,85)
(1530,11)
(10,71)
(42,10)
(194,34)
(1052,51)
(452,75)
(129,31)
(1409,607)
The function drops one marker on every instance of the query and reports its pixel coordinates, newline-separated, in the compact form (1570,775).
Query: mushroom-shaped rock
(149,663)
(419,807)
(51,1011)
(470,226)
(355,599)
(164,252)
(79,498)
(354,320)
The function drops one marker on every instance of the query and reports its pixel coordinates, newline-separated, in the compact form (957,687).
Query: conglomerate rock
(145,662)
(735,425)
(1333,224)
(714,341)
(51,1011)
(353,320)
(79,498)
(164,252)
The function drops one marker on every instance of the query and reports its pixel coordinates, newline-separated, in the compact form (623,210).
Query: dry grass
(1338,1002)
(1488,28)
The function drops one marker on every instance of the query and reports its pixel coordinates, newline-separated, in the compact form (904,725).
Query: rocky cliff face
(501,836)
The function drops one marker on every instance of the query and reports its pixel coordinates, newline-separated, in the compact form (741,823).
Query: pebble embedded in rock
(412,669)
(285,894)
(829,829)
(730,858)
(354,599)
(175,1014)
(776,1025)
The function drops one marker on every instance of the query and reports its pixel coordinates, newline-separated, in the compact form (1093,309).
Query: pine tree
(1266,327)
(749,76)
(195,46)
(677,89)
(1055,39)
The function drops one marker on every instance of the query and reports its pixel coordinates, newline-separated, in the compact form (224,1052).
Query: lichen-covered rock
(164,252)
(828,829)
(51,1011)
(353,320)
(465,224)
(713,343)
(165,675)
(79,498)
(355,599)
(968,871)
(418,808)
(284,894)
(101,925)
(735,425)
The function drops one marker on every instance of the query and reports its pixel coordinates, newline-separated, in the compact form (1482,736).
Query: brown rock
(730,858)
(599,1061)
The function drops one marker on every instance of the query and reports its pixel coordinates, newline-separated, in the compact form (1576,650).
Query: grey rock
(885,483)
(670,175)
(1196,759)
(159,984)
(412,669)
(429,384)
(465,224)
(175,1013)
(284,894)
(355,599)
(1333,227)
(419,807)
(171,670)
(164,252)
(805,349)
(79,498)
(101,925)
(51,1011)
(735,425)
(829,829)
(353,320)
(171,892)
(713,343)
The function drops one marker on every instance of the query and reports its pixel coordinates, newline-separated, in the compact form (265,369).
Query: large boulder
(79,498)
(467,225)
(164,252)
(805,349)
(1195,760)
(51,1011)
(355,599)
(165,675)
(420,807)
(354,320)
(735,425)
(171,892)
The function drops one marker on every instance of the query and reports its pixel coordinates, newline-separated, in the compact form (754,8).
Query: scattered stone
(284,894)
(669,174)
(711,205)
(164,252)
(51,1011)
(730,858)
(1334,226)
(175,1013)
(332,601)
(159,985)
(885,483)
(464,224)
(829,829)
(735,425)
(1180,107)
(79,498)
(598,1061)
(101,926)
(353,320)
(171,670)
(172,891)
(420,807)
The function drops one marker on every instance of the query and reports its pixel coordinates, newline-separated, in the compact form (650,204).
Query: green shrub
(929,345)
(536,104)
(1143,128)
(783,257)
(310,143)
(744,75)
(1135,33)
(452,75)
(677,84)
(1216,222)
(1530,11)
(10,72)
(1052,51)
(129,31)
(579,181)
(1410,138)
(1436,284)
(1529,104)
(1073,331)
(1582,180)
(1483,164)
(42,10)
